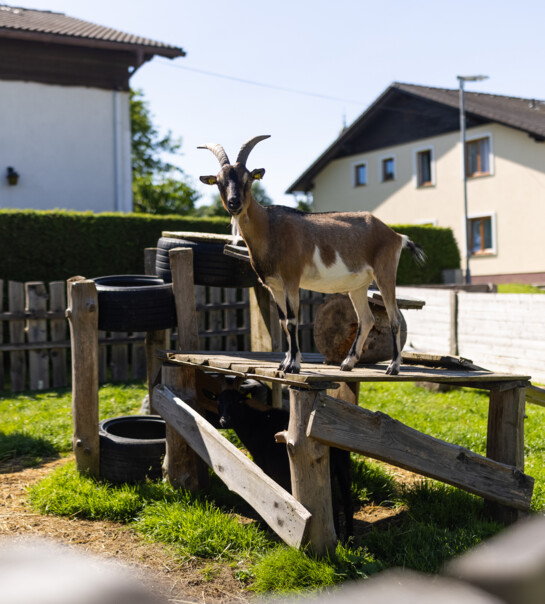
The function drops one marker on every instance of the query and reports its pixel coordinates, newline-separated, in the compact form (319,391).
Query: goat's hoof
(392,370)
(348,363)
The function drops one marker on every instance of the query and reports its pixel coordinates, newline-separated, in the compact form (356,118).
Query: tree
(159,187)
(216,207)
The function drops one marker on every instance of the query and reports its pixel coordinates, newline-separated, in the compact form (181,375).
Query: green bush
(50,245)
(441,250)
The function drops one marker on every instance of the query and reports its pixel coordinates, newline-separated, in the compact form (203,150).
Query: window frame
(490,251)
(355,167)
(381,161)
(471,140)
(416,165)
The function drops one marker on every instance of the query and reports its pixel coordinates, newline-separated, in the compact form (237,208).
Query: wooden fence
(35,340)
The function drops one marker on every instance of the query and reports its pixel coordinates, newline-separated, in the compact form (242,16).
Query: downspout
(118,153)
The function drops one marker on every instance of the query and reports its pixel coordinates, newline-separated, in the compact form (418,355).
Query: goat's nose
(233,204)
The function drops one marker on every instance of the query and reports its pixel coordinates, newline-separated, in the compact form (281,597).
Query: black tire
(134,303)
(210,265)
(132,448)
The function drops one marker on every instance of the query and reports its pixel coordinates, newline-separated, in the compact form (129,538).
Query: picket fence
(35,339)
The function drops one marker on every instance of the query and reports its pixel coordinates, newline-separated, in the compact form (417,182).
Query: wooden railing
(35,340)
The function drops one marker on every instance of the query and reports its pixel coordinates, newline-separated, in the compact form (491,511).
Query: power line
(261,84)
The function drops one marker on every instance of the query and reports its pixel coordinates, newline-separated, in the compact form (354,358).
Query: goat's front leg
(366,321)
(288,310)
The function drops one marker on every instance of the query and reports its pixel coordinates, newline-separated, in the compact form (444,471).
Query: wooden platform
(315,374)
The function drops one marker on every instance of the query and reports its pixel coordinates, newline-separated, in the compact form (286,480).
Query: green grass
(38,425)
(436,521)
(519,288)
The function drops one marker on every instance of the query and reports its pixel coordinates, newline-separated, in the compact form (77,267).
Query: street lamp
(462,79)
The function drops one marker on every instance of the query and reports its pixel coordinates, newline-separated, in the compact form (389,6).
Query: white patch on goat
(335,278)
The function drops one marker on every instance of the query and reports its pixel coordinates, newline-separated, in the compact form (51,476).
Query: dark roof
(406,112)
(48,26)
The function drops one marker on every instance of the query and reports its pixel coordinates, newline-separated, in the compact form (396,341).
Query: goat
(329,252)
(257,429)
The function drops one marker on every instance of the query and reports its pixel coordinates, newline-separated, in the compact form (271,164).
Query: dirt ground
(196,581)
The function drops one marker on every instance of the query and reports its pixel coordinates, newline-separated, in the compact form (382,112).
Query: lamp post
(462,80)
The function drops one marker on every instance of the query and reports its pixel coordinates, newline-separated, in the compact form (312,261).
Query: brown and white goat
(330,252)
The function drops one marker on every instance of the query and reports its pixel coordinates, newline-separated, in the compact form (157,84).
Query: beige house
(402,160)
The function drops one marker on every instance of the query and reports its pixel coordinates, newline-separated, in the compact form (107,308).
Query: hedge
(50,245)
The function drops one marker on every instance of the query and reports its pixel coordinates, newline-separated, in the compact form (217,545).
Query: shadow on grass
(19,451)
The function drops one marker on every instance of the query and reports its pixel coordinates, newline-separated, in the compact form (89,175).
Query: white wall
(70,146)
(501,332)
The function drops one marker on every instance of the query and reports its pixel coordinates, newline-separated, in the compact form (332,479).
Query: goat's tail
(417,252)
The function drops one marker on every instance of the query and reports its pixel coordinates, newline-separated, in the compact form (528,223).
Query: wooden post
(505,439)
(182,465)
(158,339)
(181,266)
(310,477)
(82,313)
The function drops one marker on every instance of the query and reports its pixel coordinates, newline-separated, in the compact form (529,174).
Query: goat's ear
(257,174)
(208,180)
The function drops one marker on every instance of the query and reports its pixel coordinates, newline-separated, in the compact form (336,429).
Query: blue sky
(350,50)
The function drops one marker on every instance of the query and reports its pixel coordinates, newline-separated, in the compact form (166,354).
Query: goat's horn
(218,151)
(248,146)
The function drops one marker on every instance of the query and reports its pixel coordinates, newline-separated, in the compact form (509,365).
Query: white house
(65,138)
(402,160)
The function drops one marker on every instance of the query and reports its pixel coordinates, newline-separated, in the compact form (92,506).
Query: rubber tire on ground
(134,303)
(210,265)
(132,448)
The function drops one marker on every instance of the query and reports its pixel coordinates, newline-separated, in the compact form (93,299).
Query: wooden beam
(282,512)
(377,435)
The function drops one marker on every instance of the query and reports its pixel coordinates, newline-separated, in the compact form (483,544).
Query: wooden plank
(119,360)
(1,335)
(138,358)
(57,303)
(215,320)
(265,327)
(82,315)
(282,512)
(535,395)
(200,301)
(377,435)
(36,298)
(230,319)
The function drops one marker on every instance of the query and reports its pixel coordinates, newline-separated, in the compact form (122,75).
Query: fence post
(38,360)
(57,303)
(82,314)
(16,304)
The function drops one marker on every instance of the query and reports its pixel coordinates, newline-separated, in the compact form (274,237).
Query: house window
(360,175)
(424,168)
(387,169)
(481,235)
(478,157)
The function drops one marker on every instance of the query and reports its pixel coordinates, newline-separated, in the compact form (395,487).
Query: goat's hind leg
(365,324)
(388,291)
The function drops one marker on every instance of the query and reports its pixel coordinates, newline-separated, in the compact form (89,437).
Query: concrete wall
(512,193)
(70,146)
(502,332)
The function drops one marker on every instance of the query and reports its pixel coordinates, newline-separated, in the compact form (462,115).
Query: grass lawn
(438,521)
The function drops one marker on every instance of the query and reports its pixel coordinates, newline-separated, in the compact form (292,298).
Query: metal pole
(464,177)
